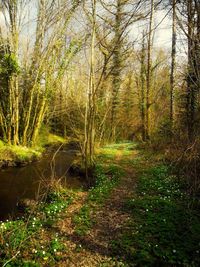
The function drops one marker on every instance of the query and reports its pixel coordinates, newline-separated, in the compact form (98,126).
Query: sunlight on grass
(49,139)
(23,153)
(111,151)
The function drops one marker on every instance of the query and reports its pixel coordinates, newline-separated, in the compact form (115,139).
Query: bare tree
(173,64)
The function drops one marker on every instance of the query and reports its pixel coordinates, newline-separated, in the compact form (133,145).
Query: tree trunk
(191,80)
(149,67)
(116,72)
(142,80)
(173,65)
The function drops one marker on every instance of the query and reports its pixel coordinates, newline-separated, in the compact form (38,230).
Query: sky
(163,33)
(162,23)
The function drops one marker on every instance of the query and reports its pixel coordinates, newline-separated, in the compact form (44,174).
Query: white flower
(174,251)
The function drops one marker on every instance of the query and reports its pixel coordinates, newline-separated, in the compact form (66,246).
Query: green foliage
(18,153)
(113,263)
(45,138)
(112,150)
(106,180)
(163,230)
(21,263)
(14,240)
(23,153)
(56,245)
(9,65)
(83,221)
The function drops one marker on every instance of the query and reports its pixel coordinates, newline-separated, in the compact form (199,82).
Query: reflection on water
(24,182)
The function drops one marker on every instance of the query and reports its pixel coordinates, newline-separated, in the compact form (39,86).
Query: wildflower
(174,251)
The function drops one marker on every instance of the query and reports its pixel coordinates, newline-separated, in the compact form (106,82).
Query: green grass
(25,154)
(106,178)
(19,238)
(109,152)
(19,153)
(47,138)
(164,229)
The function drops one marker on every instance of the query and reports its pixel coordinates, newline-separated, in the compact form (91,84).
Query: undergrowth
(19,238)
(18,153)
(164,229)
(106,180)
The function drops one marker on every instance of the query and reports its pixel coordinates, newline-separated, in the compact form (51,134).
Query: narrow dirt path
(94,249)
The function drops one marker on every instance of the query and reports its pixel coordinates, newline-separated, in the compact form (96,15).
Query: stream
(18,183)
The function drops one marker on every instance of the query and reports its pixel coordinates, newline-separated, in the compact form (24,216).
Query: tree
(149,68)
(173,64)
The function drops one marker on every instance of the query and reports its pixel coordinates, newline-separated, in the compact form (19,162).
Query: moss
(46,138)
(112,150)
(19,154)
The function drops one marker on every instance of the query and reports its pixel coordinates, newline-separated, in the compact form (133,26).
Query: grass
(106,180)
(18,153)
(25,154)
(37,244)
(46,138)
(164,230)
(109,152)
(107,176)
(29,246)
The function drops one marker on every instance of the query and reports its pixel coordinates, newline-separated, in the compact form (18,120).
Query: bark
(91,105)
(192,81)
(117,66)
(142,79)
(173,65)
(149,68)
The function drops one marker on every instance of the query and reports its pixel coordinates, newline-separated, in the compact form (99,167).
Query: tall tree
(142,103)
(91,102)
(193,80)
(173,64)
(149,68)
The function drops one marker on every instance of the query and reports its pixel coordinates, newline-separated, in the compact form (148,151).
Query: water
(17,183)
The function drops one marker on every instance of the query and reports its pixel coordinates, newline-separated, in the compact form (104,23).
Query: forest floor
(135,215)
